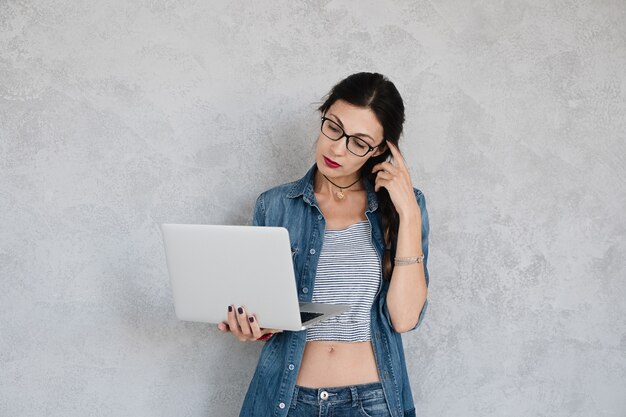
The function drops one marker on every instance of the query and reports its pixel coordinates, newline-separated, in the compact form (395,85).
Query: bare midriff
(334,364)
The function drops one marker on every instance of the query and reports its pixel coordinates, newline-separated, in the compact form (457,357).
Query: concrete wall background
(116,116)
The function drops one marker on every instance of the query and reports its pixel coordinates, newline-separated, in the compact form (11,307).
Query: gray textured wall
(116,116)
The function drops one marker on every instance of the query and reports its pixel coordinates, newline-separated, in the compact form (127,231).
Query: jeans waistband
(348,393)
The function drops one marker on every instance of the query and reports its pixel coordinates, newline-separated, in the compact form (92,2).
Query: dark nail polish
(251,319)
(230,309)
(240,310)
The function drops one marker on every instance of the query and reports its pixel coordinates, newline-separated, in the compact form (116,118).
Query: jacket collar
(304,188)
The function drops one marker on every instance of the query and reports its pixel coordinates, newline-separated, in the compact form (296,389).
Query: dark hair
(374,91)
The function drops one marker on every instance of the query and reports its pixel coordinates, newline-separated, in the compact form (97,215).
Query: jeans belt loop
(294,398)
(355,396)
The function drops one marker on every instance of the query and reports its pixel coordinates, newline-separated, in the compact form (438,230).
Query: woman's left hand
(395,177)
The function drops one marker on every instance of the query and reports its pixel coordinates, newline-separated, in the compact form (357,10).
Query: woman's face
(332,157)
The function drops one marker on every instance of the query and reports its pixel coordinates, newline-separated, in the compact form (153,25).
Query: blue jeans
(364,400)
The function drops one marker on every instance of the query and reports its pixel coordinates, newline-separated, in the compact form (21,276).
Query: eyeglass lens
(334,132)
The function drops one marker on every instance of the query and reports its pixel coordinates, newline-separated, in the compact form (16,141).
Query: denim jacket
(294,207)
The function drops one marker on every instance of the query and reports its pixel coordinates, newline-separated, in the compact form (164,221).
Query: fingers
(388,174)
(382,179)
(397,156)
(239,323)
(385,166)
(243,326)
(381,183)
(232,321)
(384,175)
(398,161)
(256,330)
(254,327)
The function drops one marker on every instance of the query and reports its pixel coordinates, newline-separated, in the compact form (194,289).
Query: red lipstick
(330,163)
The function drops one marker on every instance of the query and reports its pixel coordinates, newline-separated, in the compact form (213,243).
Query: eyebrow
(356,134)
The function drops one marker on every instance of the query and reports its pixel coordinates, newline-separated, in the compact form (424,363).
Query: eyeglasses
(354,144)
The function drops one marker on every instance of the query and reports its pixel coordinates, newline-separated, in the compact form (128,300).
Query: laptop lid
(214,266)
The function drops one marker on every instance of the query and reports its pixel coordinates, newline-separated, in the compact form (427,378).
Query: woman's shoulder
(278,191)
(274,203)
(289,189)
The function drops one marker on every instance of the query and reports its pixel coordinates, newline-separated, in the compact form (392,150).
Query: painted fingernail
(240,310)
(251,319)
(230,309)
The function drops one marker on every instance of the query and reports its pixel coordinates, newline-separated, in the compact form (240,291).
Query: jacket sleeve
(258,214)
(421,200)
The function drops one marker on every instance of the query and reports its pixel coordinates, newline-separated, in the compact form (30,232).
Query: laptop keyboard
(305,316)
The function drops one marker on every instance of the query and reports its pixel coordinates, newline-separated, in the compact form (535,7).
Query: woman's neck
(330,186)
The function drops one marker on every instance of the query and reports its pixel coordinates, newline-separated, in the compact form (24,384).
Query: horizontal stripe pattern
(348,272)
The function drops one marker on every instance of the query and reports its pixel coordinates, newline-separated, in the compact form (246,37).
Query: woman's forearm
(407,290)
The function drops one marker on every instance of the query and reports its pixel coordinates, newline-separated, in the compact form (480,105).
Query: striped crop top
(348,272)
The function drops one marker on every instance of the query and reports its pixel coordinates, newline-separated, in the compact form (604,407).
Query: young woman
(359,236)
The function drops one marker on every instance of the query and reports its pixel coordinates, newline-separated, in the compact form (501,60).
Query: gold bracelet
(409,260)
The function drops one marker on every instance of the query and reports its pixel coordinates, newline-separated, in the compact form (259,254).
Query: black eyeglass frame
(369,148)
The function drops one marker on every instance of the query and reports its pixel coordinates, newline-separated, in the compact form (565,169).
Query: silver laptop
(212,267)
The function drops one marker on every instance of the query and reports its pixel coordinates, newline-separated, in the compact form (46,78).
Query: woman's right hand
(242,326)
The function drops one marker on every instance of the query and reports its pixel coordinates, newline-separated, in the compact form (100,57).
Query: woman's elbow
(405,325)
(409,322)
